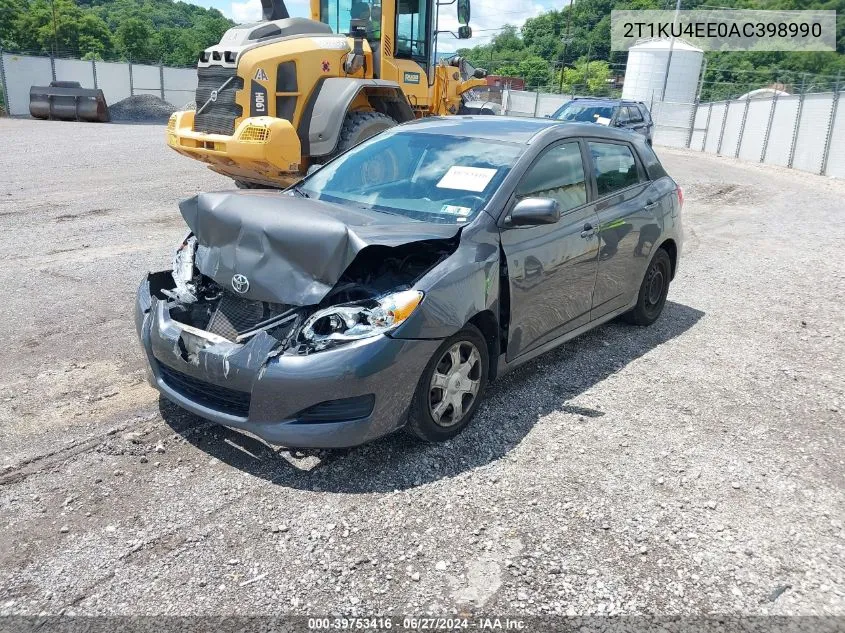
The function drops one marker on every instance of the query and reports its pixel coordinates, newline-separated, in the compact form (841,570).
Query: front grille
(234,315)
(218,117)
(204,393)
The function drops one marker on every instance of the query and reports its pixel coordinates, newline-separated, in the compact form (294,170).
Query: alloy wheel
(454,384)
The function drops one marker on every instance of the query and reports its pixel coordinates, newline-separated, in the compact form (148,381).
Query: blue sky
(486,14)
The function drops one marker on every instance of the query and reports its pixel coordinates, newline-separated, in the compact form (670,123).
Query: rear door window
(614,165)
(634,114)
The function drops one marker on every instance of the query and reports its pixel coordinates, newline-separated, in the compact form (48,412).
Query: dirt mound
(146,108)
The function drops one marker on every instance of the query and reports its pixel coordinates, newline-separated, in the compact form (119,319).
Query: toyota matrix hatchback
(389,287)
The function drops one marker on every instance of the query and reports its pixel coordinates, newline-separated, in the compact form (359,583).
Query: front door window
(412,30)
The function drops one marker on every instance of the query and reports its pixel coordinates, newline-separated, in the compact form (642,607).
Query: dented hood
(292,250)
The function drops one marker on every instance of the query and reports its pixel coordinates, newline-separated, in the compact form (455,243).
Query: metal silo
(645,72)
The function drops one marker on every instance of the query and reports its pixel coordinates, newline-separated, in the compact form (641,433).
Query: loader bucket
(67,101)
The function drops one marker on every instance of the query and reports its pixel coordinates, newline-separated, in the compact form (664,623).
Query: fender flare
(321,121)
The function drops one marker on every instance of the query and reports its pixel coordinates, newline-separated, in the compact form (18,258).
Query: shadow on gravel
(511,408)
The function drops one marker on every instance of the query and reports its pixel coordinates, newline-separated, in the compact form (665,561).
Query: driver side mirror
(463,12)
(534,211)
(464,32)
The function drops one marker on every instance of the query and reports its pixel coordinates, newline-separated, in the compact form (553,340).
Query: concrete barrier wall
(20,72)
(805,132)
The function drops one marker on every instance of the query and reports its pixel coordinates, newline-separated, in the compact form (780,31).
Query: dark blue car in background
(629,115)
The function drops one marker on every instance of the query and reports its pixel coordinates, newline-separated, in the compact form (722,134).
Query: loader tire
(243,184)
(359,126)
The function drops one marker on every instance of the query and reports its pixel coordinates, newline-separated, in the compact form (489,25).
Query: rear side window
(615,167)
(558,174)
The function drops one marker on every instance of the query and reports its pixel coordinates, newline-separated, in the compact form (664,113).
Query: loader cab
(401,36)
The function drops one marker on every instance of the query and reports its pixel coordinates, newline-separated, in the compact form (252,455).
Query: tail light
(680,196)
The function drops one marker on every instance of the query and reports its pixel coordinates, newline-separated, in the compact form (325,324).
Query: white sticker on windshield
(455,210)
(467,178)
(602,120)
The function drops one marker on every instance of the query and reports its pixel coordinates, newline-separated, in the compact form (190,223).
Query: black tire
(243,184)
(653,290)
(421,422)
(359,126)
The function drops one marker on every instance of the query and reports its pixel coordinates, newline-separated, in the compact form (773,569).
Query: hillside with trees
(537,51)
(150,31)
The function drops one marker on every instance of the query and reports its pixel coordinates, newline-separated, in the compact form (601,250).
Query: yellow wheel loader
(278,96)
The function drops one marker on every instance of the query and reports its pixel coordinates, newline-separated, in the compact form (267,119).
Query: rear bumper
(262,149)
(274,391)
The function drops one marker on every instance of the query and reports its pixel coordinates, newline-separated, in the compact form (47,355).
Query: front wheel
(450,387)
(359,126)
(653,291)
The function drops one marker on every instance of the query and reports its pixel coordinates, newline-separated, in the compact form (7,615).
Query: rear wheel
(653,291)
(450,387)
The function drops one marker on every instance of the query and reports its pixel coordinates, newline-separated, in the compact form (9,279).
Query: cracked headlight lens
(352,322)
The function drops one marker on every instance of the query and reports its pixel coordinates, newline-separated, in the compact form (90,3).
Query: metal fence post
(4,86)
(742,127)
(722,132)
(161,78)
(536,102)
(693,115)
(94,72)
(131,82)
(769,127)
(707,126)
(795,129)
(53,66)
(829,137)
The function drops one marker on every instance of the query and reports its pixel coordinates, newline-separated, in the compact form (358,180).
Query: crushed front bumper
(280,398)
(262,149)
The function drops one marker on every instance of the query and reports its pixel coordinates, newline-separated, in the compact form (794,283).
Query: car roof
(498,128)
(605,100)
(521,130)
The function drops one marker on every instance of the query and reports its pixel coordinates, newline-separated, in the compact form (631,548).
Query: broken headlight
(351,322)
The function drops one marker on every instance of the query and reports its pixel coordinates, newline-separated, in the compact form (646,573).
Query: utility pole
(671,46)
(55,30)
(566,40)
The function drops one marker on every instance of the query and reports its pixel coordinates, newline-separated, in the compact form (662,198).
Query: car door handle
(588,231)
(651,205)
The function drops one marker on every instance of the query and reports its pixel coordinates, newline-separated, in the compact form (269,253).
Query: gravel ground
(141,109)
(694,467)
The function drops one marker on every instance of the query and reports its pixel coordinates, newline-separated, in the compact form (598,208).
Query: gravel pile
(142,108)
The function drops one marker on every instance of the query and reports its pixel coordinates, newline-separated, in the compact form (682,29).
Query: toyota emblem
(240,283)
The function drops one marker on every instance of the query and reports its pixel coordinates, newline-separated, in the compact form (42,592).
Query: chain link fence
(117,80)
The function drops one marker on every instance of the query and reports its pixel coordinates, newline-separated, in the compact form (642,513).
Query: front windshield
(422,176)
(584,113)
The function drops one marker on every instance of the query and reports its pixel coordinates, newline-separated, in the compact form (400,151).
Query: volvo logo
(240,283)
(213,97)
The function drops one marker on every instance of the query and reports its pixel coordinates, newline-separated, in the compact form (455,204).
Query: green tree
(535,70)
(588,78)
(134,37)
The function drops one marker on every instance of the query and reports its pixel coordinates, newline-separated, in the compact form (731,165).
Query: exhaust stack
(274,10)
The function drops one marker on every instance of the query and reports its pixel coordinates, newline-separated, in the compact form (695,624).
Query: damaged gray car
(389,287)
